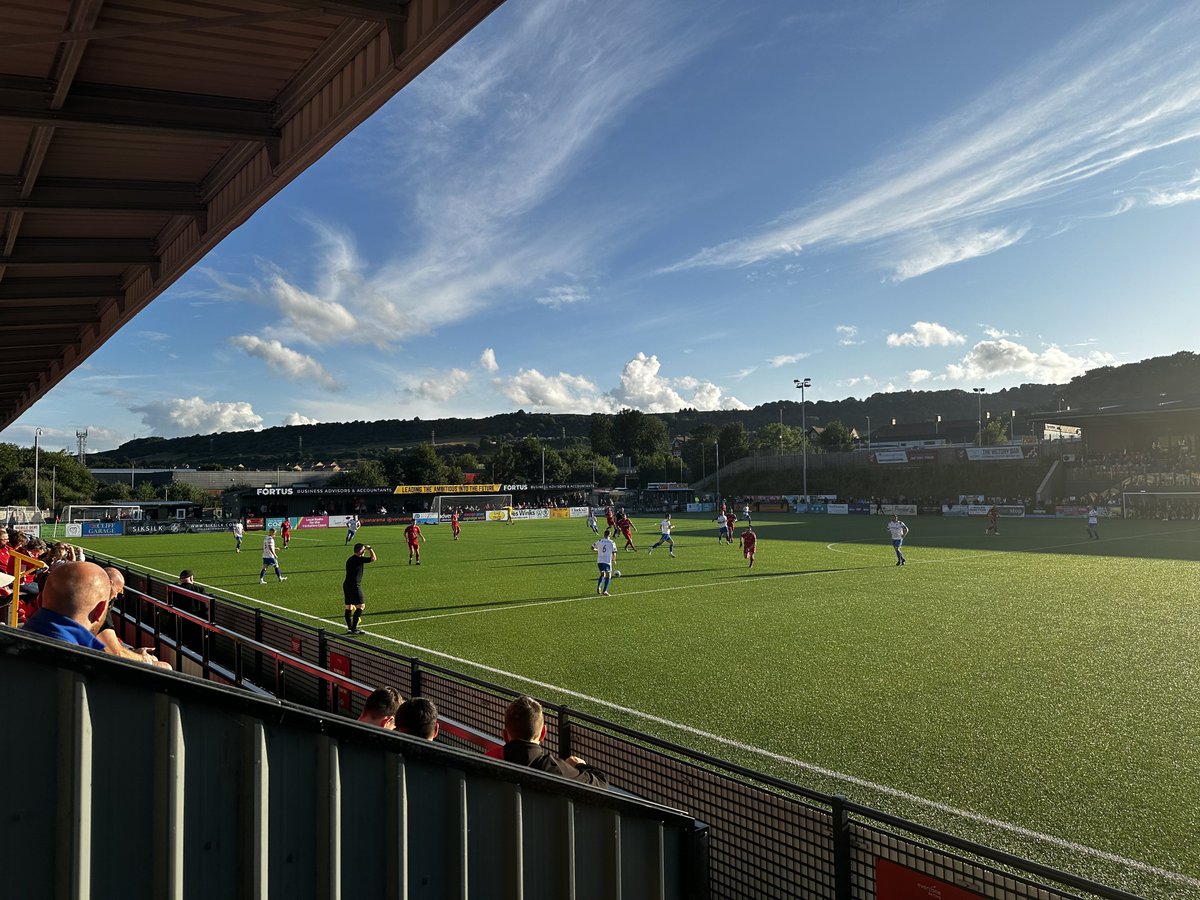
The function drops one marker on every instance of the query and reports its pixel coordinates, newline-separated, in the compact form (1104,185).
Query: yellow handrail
(33,563)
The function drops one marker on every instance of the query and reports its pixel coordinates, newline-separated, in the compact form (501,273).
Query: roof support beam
(27,101)
(196,23)
(72,195)
(80,251)
(14,290)
(379,10)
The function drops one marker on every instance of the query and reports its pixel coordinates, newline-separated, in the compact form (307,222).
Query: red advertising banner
(314,522)
(340,664)
(297,646)
(255,524)
(896,882)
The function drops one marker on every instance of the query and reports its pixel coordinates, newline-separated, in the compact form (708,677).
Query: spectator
(419,718)
(107,634)
(381,708)
(524,731)
(73,605)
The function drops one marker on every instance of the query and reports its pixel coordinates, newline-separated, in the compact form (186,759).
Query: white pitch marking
(750,748)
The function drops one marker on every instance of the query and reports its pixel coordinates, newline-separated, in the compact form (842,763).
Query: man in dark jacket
(524,731)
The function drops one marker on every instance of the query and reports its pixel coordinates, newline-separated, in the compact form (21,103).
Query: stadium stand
(144,784)
(766,837)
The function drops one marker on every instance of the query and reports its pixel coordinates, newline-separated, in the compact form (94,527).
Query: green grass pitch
(1033,678)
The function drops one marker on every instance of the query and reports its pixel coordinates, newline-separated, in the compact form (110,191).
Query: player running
(746,514)
(412,534)
(352,524)
(664,537)
(899,531)
(992,527)
(730,519)
(605,551)
(270,559)
(627,529)
(1093,523)
(454,526)
(723,529)
(239,532)
(749,539)
(285,532)
(591,521)
(610,518)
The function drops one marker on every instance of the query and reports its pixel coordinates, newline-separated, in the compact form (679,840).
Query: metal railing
(769,837)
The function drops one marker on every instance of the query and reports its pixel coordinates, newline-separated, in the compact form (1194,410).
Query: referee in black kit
(352,586)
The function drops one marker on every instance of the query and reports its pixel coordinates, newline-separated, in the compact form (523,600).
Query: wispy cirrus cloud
(284,361)
(786,359)
(563,295)
(847,335)
(1117,90)
(926,334)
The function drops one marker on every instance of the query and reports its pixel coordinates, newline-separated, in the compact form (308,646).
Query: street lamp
(717,447)
(979,393)
(1012,419)
(801,385)
(37,440)
(868,434)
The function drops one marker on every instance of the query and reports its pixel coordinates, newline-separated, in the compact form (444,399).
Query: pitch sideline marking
(1000,824)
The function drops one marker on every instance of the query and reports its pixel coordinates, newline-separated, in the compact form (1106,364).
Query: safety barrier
(769,837)
(140,783)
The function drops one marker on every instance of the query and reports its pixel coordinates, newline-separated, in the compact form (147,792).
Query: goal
(107,513)
(1160,505)
(444,504)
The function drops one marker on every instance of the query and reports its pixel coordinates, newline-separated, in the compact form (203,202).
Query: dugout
(373,502)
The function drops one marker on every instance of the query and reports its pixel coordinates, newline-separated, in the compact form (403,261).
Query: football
(616,574)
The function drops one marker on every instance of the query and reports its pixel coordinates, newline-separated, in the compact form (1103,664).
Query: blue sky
(664,203)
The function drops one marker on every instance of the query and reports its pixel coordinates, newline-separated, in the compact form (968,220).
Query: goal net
(107,513)
(19,515)
(444,504)
(1168,505)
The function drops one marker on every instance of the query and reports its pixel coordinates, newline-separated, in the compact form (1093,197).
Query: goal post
(444,504)
(1160,505)
(101,513)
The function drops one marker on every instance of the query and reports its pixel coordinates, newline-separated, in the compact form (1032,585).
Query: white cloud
(996,358)
(926,334)
(193,415)
(286,362)
(641,387)
(487,359)
(563,295)
(555,393)
(940,252)
(296,419)
(443,387)
(996,333)
(916,376)
(318,318)
(856,381)
(156,336)
(1121,87)
(786,360)
(847,335)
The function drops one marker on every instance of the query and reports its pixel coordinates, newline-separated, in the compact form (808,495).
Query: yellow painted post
(30,562)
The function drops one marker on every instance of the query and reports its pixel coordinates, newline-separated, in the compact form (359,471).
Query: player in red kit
(627,529)
(611,515)
(285,532)
(730,518)
(749,540)
(454,524)
(413,535)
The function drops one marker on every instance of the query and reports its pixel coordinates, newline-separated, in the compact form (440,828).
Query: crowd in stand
(1127,463)
(71,599)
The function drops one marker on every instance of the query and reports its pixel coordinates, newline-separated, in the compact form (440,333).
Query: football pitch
(1033,690)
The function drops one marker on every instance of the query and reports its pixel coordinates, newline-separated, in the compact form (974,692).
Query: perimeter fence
(768,837)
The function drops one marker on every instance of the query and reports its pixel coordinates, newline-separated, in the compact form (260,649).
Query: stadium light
(979,393)
(801,385)
(868,434)
(37,440)
(1012,422)
(717,448)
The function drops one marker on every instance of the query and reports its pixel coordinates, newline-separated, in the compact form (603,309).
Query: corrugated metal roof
(136,134)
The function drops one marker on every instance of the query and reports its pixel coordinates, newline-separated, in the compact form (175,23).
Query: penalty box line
(969,815)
